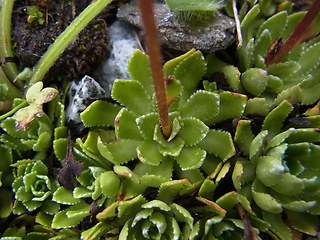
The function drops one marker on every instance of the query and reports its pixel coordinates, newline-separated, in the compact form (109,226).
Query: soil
(31,40)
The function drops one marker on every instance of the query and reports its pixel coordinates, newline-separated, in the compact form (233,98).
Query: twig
(236,17)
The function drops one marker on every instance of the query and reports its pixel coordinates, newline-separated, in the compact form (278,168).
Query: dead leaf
(36,98)
(71,169)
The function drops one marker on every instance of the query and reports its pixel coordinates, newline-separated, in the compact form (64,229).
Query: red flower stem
(301,33)
(153,45)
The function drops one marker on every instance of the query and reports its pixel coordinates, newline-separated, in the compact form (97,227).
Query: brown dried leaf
(71,169)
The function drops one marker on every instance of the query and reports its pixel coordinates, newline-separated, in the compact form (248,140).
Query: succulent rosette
(32,186)
(229,217)
(139,219)
(282,173)
(137,125)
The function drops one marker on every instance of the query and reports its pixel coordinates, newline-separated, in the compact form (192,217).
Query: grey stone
(81,95)
(217,35)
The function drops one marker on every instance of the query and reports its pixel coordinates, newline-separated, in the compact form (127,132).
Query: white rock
(123,44)
(81,95)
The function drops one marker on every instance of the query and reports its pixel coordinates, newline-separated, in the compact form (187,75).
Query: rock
(123,43)
(216,35)
(80,96)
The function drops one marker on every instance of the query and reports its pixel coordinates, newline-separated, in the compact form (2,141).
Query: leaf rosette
(140,219)
(282,173)
(137,125)
(32,186)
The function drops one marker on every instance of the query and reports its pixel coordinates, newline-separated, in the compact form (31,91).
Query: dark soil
(33,39)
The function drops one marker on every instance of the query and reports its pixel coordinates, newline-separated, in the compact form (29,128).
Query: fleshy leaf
(109,183)
(257,106)
(140,70)
(192,131)
(166,148)
(125,125)
(146,124)
(173,88)
(119,152)
(64,196)
(289,184)
(130,93)
(304,222)
(62,220)
(148,153)
(231,106)
(275,24)
(169,190)
(218,143)
(244,136)
(277,225)
(202,105)
(254,81)
(36,97)
(190,71)
(100,113)
(191,158)
(156,175)
(257,145)
(274,120)
(171,65)
(269,170)
(181,214)
(264,200)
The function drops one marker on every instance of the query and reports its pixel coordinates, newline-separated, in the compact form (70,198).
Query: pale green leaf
(146,124)
(126,126)
(64,196)
(257,106)
(274,120)
(255,81)
(148,153)
(131,94)
(202,105)
(109,184)
(140,70)
(191,158)
(100,113)
(231,106)
(192,131)
(190,71)
(275,24)
(218,143)
(170,66)
(119,152)
(244,136)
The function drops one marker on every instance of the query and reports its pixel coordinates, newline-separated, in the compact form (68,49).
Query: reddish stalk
(153,45)
(305,30)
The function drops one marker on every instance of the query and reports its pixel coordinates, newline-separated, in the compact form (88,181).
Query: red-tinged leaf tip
(305,30)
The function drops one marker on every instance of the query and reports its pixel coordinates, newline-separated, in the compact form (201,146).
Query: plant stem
(65,38)
(10,69)
(305,30)
(21,105)
(153,46)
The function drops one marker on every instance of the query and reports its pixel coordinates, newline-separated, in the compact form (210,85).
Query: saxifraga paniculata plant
(240,161)
(258,198)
